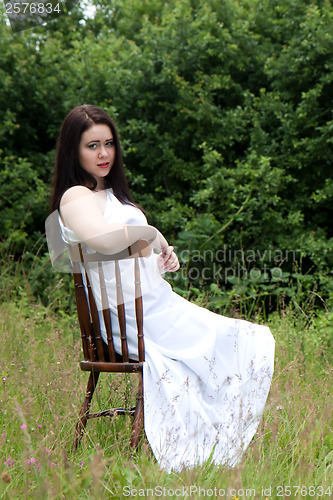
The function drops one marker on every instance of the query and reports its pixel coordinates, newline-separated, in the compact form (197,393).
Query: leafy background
(225,116)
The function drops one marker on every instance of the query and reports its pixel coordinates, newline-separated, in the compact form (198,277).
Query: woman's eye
(109,143)
(92,146)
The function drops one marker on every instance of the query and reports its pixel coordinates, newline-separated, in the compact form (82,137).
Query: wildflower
(48,451)
(52,464)
(32,461)
(39,426)
(9,462)
(82,464)
(23,426)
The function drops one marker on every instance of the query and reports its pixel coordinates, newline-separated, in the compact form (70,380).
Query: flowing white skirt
(206,379)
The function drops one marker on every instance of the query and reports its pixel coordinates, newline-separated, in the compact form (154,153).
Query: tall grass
(42,390)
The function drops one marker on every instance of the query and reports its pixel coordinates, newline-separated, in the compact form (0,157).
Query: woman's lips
(103,165)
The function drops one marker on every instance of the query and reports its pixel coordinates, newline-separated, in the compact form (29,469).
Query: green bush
(224,111)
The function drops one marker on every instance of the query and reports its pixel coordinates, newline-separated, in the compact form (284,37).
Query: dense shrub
(224,111)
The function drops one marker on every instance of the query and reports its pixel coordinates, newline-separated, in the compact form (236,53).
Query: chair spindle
(106,314)
(139,310)
(121,314)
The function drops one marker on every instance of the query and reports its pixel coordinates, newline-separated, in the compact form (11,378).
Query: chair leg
(138,416)
(82,422)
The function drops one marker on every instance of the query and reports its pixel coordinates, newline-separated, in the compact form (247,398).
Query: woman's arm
(168,261)
(82,211)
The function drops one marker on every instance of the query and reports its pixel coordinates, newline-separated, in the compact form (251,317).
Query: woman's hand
(167,260)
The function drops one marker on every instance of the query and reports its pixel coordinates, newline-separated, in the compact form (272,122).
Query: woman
(206,377)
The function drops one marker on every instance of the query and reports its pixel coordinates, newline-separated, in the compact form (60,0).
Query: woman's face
(97,152)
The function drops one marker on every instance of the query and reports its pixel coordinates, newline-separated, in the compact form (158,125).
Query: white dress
(206,376)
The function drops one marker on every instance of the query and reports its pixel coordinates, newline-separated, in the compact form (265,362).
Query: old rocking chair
(99,357)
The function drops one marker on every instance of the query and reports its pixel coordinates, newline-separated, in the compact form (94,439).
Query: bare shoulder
(75,193)
(80,201)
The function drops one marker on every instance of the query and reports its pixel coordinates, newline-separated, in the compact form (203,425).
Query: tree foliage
(225,115)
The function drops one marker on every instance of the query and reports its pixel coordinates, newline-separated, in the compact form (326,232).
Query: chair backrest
(94,348)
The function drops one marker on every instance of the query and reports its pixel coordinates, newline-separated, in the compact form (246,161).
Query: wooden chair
(99,357)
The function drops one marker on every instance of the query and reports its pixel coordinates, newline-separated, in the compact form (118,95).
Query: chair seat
(106,366)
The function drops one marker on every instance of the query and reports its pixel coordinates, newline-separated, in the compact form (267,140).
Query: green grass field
(41,392)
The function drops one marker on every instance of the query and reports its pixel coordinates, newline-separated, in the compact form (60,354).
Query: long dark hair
(68,171)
